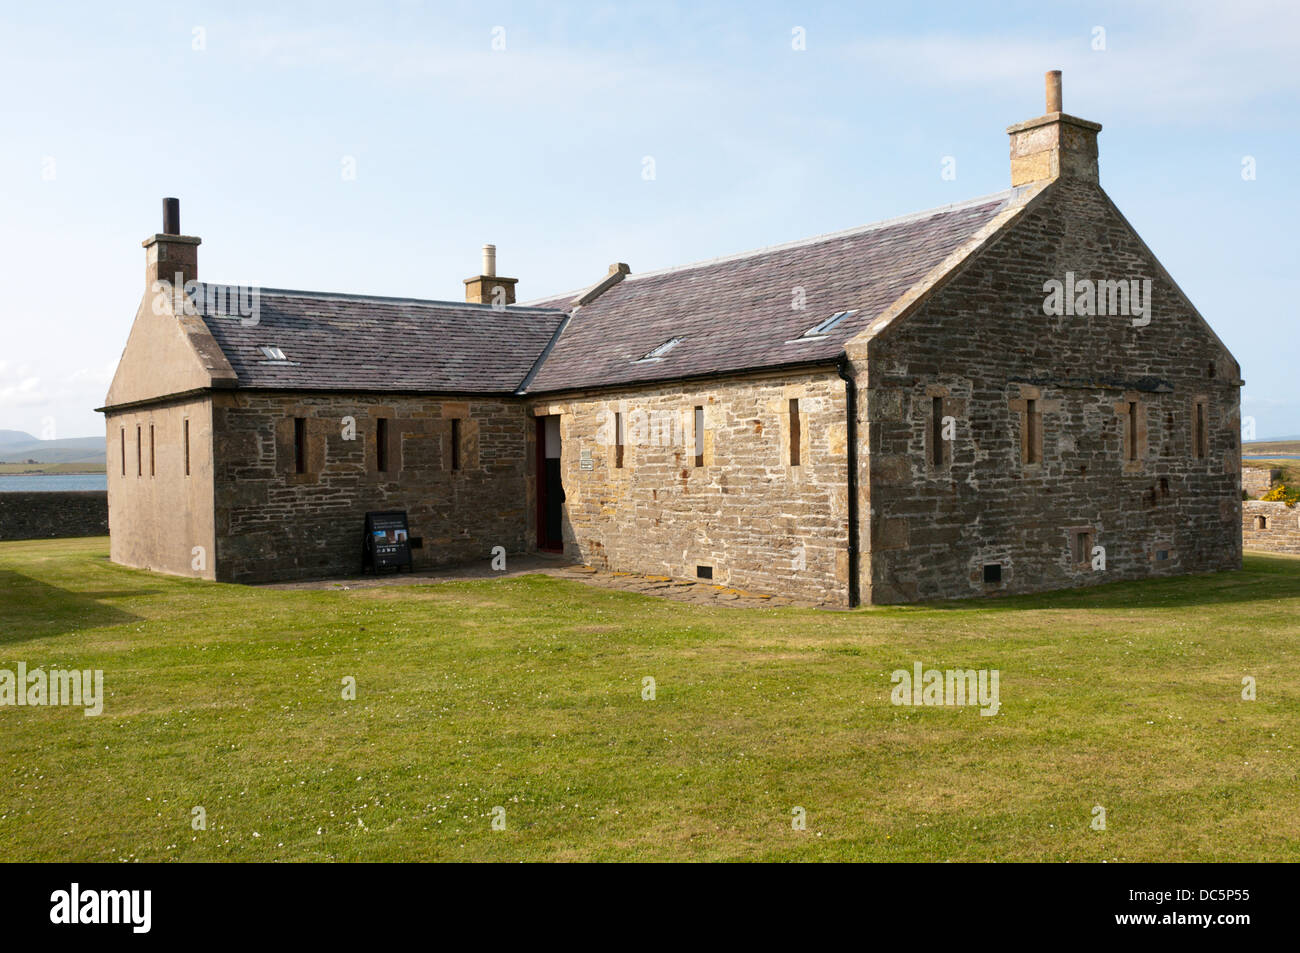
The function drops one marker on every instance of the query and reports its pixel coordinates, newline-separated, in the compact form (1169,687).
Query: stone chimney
(1054,145)
(170,254)
(487,288)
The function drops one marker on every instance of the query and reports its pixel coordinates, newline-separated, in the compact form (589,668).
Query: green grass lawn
(525,693)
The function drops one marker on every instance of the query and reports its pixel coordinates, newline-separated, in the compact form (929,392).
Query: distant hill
(68,450)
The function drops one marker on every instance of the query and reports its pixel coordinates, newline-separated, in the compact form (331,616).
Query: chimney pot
(171,216)
(1054,145)
(1053,78)
(486,287)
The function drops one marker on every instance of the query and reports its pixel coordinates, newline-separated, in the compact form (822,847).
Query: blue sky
(539,147)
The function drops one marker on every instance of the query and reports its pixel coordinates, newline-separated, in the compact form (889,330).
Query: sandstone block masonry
(295,474)
(25,515)
(1069,432)
(756,499)
(1256,481)
(1270,527)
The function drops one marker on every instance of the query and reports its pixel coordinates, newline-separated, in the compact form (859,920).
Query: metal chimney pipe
(490,260)
(171,216)
(1054,91)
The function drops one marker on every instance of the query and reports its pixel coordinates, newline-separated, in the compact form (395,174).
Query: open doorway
(550,489)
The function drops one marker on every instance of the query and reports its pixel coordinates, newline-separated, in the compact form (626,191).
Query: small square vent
(704,572)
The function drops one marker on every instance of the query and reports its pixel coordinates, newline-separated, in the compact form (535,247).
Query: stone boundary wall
(1256,481)
(1281,532)
(35,515)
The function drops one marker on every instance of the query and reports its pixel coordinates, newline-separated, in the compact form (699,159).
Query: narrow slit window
(139,451)
(699,436)
(1033,432)
(300,445)
(1132,449)
(1202,436)
(152,466)
(936,431)
(381,445)
(618,441)
(185,438)
(122,434)
(455,443)
(795,434)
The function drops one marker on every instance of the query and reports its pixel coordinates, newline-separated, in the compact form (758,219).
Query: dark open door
(550,490)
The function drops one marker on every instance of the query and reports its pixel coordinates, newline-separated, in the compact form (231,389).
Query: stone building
(1270,527)
(1257,481)
(1005,395)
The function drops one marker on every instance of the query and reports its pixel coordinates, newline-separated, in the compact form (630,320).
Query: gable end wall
(983,344)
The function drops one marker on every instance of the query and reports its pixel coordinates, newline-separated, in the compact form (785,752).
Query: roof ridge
(1003,196)
(345,296)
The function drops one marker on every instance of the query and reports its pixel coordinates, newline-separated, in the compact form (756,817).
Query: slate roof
(356,342)
(731,314)
(734,314)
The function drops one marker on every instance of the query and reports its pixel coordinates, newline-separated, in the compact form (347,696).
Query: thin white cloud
(1199,62)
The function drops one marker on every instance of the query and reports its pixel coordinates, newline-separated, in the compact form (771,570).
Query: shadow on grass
(1263,577)
(31,609)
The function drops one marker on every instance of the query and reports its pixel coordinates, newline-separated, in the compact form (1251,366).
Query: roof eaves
(760,370)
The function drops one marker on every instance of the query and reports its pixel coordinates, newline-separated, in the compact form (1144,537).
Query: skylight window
(273,355)
(658,353)
(821,330)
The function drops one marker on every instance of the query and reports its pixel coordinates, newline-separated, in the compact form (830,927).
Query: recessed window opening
(699,436)
(1202,437)
(795,434)
(992,572)
(300,444)
(1261,522)
(704,572)
(152,458)
(185,436)
(1033,432)
(936,431)
(1132,448)
(618,441)
(139,452)
(1162,555)
(122,434)
(381,445)
(455,443)
(1082,545)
